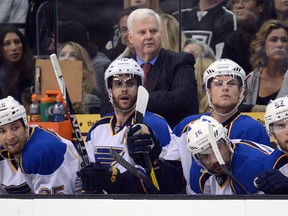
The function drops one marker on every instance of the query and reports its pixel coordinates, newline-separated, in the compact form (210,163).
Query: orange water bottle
(35,115)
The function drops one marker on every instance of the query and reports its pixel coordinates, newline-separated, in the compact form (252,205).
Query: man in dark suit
(170,81)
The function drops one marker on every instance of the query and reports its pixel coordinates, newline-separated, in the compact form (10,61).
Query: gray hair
(142,14)
(207,51)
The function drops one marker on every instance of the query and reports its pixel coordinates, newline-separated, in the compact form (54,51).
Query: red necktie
(146,68)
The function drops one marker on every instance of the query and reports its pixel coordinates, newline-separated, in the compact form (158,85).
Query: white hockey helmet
(11,110)
(198,136)
(223,67)
(123,66)
(276,110)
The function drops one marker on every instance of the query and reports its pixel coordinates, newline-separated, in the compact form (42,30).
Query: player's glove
(96,179)
(141,140)
(272,182)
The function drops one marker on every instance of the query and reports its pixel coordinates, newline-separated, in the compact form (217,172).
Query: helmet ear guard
(11,110)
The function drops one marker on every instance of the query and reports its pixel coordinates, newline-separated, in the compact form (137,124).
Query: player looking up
(122,79)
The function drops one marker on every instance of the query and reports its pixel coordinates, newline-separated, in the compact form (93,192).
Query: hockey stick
(134,171)
(80,146)
(141,104)
(220,159)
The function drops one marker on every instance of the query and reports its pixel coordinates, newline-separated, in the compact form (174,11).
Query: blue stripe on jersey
(43,153)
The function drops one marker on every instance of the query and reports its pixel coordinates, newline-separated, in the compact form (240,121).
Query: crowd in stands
(202,65)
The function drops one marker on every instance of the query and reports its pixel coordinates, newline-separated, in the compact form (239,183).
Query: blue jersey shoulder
(160,126)
(245,127)
(43,153)
(181,127)
(247,163)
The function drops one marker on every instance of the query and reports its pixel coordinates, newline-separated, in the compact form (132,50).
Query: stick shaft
(141,105)
(134,171)
(80,146)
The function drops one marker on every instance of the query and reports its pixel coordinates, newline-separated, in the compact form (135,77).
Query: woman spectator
(170,33)
(17,65)
(269,60)
(90,102)
(276,9)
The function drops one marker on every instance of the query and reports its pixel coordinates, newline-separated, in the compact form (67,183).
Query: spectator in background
(198,49)
(204,56)
(249,15)
(90,101)
(170,33)
(77,32)
(115,48)
(210,22)
(17,65)
(14,12)
(152,4)
(269,60)
(276,9)
(171,81)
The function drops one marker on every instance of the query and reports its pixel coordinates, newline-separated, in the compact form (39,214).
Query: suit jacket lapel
(155,72)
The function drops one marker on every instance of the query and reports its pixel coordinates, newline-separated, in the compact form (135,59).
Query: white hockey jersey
(102,137)
(48,165)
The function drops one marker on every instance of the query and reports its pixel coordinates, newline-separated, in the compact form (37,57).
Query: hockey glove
(141,140)
(272,182)
(96,179)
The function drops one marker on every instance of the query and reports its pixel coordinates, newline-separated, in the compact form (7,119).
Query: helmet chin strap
(124,111)
(233,110)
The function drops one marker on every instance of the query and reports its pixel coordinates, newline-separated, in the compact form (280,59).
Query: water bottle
(35,109)
(59,109)
(45,106)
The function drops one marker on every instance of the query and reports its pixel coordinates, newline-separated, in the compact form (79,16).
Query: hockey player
(209,144)
(275,180)
(122,79)
(34,160)
(225,84)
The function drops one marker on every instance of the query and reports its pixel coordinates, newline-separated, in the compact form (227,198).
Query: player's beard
(126,107)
